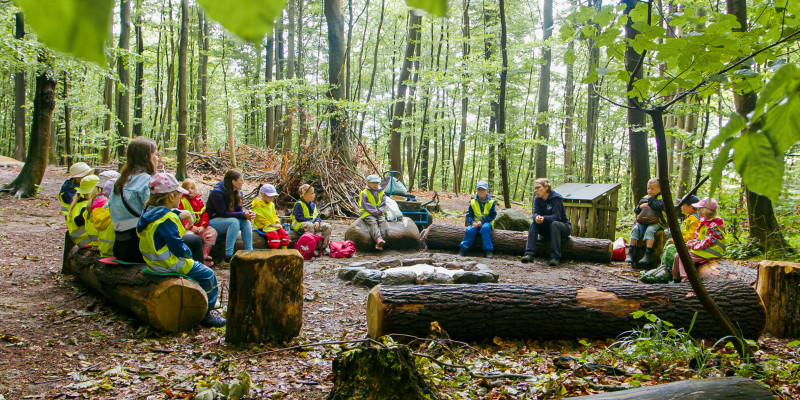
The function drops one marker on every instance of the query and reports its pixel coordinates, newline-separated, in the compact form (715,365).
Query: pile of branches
(255,164)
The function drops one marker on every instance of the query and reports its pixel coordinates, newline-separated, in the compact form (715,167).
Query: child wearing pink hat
(266,221)
(709,240)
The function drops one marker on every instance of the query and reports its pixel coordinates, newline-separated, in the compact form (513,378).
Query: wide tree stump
(265,302)
(474,312)
(400,235)
(447,237)
(378,373)
(167,303)
(731,388)
(779,287)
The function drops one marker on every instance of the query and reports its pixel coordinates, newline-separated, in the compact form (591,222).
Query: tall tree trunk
(458,172)
(44,102)
(108,103)
(279,75)
(488,21)
(303,107)
(395,159)
(138,111)
(569,126)
(639,152)
(685,167)
(123,95)
(374,67)
(340,133)
(19,96)
(183,124)
(592,107)
(270,110)
(501,106)
(290,69)
(543,129)
(67,124)
(202,72)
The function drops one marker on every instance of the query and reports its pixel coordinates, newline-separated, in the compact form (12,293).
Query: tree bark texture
(395,145)
(592,107)
(501,107)
(569,124)
(729,388)
(202,78)
(167,303)
(637,136)
(138,106)
(67,151)
(123,95)
(19,97)
(549,312)
(183,108)
(266,297)
(400,235)
(543,127)
(779,288)
(447,237)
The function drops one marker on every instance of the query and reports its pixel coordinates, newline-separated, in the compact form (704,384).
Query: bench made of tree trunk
(730,388)
(259,243)
(400,235)
(474,312)
(779,288)
(167,303)
(448,237)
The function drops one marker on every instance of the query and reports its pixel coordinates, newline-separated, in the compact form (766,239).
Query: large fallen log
(779,287)
(474,312)
(731,388)
(448,237)
(167,303)
(400,235)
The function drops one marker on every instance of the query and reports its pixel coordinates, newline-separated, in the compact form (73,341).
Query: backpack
(307,245)
(343,249)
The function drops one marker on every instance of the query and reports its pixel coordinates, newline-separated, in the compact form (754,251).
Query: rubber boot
(647,259)
(207,260)
(631,252)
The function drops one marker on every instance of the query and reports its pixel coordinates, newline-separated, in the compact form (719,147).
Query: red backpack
(343,249)
(307,245)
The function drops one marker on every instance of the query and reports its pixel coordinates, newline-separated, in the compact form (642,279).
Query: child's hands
(197,230)
(316,226)
(276,225)
(477,224)
(539,219)
(187,216)
(249,214)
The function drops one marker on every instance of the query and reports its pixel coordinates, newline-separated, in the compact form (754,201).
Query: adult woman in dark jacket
(549,220)
(224,207)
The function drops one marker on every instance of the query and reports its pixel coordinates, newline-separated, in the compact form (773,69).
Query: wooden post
(231,142)
(266,296)
(779,287)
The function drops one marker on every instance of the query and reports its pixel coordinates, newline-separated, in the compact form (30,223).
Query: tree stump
(731,388)
(475,312)
(167,303)
(400,235)
(447,237)
(779,287)
(658,250)
(378,373)
(266,296)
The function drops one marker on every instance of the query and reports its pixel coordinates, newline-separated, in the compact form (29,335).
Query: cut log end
(374,312)
(177,305)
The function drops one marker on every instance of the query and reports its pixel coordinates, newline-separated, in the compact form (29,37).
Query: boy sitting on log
(371,205)
(305,218)
(648,222)
(266,221)
(480,215)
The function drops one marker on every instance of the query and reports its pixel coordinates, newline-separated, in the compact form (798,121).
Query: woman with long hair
(226,215)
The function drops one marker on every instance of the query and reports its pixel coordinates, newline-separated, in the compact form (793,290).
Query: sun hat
(373,179)
(163,182)
(109,187)
(79,170)
(105,176)
(304,188)
(706,202)
(482,185)
(268,190)
(88,183)
(691,200)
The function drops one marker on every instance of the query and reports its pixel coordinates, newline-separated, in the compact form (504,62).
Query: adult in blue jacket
(226,215)
(549,220)
(480,215)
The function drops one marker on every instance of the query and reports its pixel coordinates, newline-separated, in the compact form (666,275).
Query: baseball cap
(706,202)
(105,176)
(373,179)
(268,190)
(691,200)
(79,170)
(163,182)
(482,185)
(304,188)
(88,183)
(108,187)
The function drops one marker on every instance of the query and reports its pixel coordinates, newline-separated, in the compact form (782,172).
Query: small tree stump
(378,373)
(266,296)
(733,388)
(779,287)
(400,235)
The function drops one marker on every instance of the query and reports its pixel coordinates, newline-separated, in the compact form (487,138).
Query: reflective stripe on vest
(715,251)
(187,205)
(78,233)
(370,199)
(306,215)
(476,209)
(162,260)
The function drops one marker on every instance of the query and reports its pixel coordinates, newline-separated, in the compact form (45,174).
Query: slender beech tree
(458,171)
(270,110)
(339,129)
(67,123)
(19,95)
(396,140)
(123,96)
(183,123)
(569,114)
(138,111)
(592,106)
(637,136)
(501,107)
(489,15)
(202,78)
(290,70)
(543,127)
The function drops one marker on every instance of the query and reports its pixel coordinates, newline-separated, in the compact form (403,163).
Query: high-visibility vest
(187,205)
(162,260)
(715,251)
(370,199)
(101,219)
(265,215)
(64,206)
(481,214)
(79,234)
(306,214)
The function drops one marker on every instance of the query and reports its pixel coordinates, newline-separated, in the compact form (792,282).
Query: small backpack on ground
(343,249)
(307,245)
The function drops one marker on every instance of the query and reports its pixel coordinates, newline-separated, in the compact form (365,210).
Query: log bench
(729,388)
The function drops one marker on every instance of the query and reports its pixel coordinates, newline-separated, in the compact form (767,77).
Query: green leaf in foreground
(77,27)
(247,19)
(761,169)
(435,7)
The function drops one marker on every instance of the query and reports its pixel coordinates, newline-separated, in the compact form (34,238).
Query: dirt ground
(58,340)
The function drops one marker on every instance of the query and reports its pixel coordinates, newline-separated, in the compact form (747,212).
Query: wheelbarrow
(410,207)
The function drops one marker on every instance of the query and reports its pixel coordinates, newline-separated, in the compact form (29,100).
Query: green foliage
(214,388)
(744,250)
(247,19)
(435,7)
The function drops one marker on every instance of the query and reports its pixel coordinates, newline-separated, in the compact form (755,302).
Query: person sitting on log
(480,214)
(708,242)
(549,220)
(101,219)
(76,172)
(305,218)
(161,231)
(371,205)
(648,222)
(688,227)
(226,214)
(96,202)
(199,224)
(77,213)
(266,221)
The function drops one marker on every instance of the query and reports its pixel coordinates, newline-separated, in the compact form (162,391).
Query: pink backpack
(307,245)
(343,249)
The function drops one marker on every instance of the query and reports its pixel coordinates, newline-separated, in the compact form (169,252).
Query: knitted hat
(79,170)
(163,182)
(88,183)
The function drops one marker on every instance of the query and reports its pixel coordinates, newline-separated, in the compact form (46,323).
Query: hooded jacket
(551,209)
(217,204)
(196,205)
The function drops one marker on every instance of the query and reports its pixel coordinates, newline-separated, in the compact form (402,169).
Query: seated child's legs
(486,237)
(383,226)
(325,231)
(305,227)
(650,233)
(284,237)
(469,237)
(273,239)
(205,277)
(372,224)
(209,236)
(637,232)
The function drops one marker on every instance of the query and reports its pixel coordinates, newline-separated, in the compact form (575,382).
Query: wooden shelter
(592,208)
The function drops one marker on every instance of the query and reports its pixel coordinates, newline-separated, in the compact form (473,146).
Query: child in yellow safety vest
(305,217)
(160,234)
(82,233)
(266,221)
(98,215)
(68,189)
(199,224)
(709,240)
(688,227)
(101,219)
(371,205)
(480,214)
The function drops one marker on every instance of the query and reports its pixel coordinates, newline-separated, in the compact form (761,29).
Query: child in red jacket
(194,204)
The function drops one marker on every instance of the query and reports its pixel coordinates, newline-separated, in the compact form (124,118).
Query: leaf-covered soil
(58,340)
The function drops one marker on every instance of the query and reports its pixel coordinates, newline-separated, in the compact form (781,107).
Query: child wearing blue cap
(371,205)
(266,221)
(480,215)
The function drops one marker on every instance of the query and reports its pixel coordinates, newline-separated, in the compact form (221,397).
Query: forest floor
(57,340)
